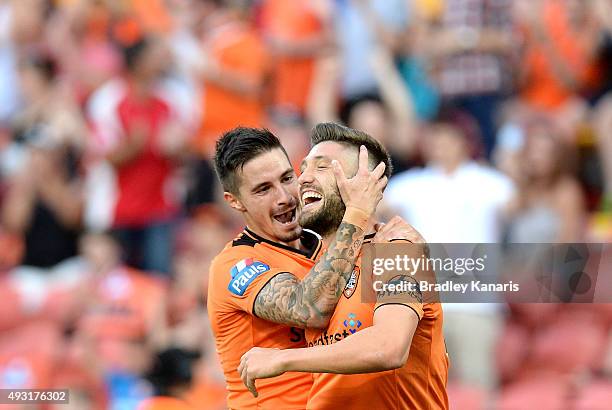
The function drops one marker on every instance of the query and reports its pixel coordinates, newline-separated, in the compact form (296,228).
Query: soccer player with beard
(397,348)
(266,285)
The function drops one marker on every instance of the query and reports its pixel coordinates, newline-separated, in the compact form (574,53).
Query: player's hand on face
(397,228)
(364,190)
(259,363)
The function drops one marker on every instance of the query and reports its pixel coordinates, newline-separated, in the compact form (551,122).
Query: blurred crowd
(498,115)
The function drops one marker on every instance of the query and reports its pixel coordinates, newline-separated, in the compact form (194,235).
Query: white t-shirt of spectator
(462,207)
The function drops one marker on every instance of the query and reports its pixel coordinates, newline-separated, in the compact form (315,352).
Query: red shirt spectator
(118,115)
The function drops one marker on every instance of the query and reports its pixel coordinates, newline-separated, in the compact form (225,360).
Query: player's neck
(327,239)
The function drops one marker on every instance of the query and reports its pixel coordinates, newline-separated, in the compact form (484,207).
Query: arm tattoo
(408,293)
(311,302)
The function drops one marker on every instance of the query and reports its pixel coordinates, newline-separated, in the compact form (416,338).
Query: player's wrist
(284,358)
(357,216)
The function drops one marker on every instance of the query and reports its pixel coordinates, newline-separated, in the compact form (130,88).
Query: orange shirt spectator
(125,305)
(236,53)
(294,32)
(557,61)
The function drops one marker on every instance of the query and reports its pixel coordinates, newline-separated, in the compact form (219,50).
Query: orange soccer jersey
(237,275)
(419,384)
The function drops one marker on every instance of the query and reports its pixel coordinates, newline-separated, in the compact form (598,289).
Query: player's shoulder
(241,247)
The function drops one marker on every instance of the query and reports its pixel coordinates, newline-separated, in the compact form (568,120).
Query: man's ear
(233,201)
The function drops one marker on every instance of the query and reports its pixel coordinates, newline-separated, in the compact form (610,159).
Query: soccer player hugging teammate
(266,286)
(397,348)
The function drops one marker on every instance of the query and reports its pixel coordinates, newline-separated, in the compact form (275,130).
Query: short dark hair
(173,367)
(132,53)
(329,131)
(237,147)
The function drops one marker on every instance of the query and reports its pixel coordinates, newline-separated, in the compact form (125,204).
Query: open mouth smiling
(310,197)
(286,218)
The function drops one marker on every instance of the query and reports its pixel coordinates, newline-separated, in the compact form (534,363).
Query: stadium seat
(464,397)
(548,393)
(571,345)
(511,351)
(29,355)
(595,396)
(532,315)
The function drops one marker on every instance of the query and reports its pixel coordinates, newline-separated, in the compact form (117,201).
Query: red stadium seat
(573,344)
(595,396)
(532,315)
(463,397)
(511,351)
(541,394)
(29,355)
(604,311)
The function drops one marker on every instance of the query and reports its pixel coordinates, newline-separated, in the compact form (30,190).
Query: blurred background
(498,114)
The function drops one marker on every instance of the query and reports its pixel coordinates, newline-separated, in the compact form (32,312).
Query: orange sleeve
(241,276)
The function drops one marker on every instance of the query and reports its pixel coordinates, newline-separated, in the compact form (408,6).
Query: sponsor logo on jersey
(352,323)
(243,273)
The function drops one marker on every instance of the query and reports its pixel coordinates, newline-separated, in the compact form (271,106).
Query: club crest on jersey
(351,285)
(243,273)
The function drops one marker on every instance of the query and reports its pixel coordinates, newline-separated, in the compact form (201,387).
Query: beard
(326,219)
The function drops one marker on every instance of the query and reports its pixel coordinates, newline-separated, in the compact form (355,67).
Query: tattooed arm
(311,302)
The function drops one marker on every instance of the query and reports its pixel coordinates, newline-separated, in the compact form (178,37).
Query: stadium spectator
(558,61)
(452,173)
(549,206)
(236,66)
(388,117)
(472,49)
(360,27)
(413,62)
(172,376)
(45,197)
(296,34)
(386,111)
(140,129)
(468,201)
